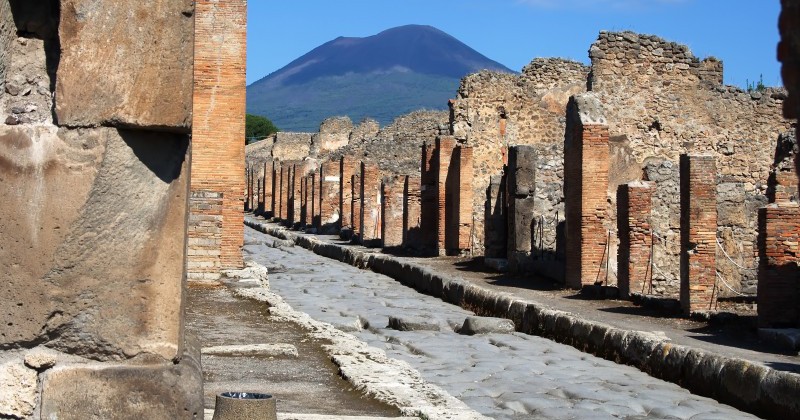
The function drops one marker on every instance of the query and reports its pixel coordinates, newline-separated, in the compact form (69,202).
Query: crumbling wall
(662,101)
(95,203)
(493,111)
(291,146)
(334,133)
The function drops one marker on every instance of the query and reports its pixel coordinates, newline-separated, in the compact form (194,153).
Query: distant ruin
(528,168)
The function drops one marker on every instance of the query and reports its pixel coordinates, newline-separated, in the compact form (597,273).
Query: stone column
(412,228)
(392,206)
(698,232)
(370,204)
(303,200)
(268,189)
(778,274)
(521,190)
(634,204)
(586,158)
(444,161)
(347,168)
(314,198)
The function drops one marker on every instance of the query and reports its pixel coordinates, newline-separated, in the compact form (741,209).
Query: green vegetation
(756,87)
(258,128)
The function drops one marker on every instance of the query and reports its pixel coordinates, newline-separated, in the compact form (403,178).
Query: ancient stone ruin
(95,150)
(642,172)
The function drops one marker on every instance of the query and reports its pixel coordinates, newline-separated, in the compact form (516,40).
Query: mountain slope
(381,76)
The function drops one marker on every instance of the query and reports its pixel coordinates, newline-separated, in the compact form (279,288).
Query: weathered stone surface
(141,389)
(259,350)
(41,359)
(484,325)
(17,390)
(92,213)
(412,324)
(125,64)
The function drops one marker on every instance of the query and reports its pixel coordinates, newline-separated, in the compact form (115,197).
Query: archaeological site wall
(657,102)
(662,102)
(94,162)
(494,111)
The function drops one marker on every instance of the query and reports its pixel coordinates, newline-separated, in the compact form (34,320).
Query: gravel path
(505,376)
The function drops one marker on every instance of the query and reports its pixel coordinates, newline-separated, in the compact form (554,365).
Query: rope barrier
(728,286)
(731,259)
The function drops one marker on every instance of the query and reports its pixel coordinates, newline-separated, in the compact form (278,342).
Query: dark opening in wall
(40,19)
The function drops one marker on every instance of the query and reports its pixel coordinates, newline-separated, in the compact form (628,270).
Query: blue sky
(743,33)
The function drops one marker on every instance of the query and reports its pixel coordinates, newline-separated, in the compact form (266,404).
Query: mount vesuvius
(383,76)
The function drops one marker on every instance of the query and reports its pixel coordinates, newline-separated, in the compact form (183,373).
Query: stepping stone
(412,324)
(483,325)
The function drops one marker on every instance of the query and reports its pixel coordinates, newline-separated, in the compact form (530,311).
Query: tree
(258,128)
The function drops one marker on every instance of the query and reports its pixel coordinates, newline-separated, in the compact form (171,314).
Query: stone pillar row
(430,212)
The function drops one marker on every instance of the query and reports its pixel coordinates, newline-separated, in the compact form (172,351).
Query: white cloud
(596,4)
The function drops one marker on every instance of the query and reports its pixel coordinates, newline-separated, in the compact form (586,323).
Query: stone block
(522,170)
(483,325)
(140,389)
(125,64)
(412,324)
(93,212)
(17,390)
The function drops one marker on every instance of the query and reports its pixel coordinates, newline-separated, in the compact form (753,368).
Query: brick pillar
(586,157)
(282,183)
(634,204)
(205,236)
(290,185)
(347,168)
(268,188)
(444,162)
(698,232)
(412,228)
(428,198)
(297,200)
(392,207)
(329,197)
(465,197)
(273,192)
(778,274)
(370,204)
(252,192)
(219,108)
(262,190)
(355,188)
(521,176)
(314,198)
(303,200)
(246,189)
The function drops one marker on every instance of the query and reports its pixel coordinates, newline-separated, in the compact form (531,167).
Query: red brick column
(204,236)
(247,193)
(634,205)
(586,157)
(370,204)
(356,205)
(412,227)
(347,168)
(465,197)
(219,110)
(428,198)
(778,274)
(282,196)
(392,207)
(272,190)
(444,161)
(314,199)
(698,232)
(262,189)
(269,187)
(304,201)
(297,195)
(329,196)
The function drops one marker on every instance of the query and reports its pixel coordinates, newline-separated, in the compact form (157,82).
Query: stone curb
(743,384)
